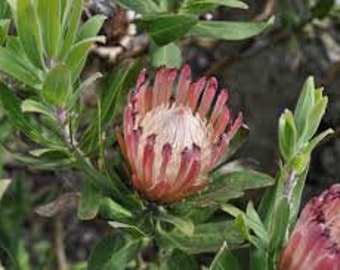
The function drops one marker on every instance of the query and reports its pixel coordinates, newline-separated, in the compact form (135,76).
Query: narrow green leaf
(167,28)
(71,20)
(5,11)
(111,210)
(314,117)
(57,85)
(224,259)
(91,27)
(304,104)
(12,66)
(255,224)
(278,229)
(295,201)
(4,25)
(89,201)
(230,185)
(33,106)
(127,227)
(4,184)
(113,252)
(42,164)
(76,57)
(229,30)
(315,141)
(121,81)
(29,33)
(200,6)
(185,225)
(287,135)
(50,21)
(205,238)
(43,151)
(168,55)
(242,180)
(75,96)
(140,6)
(32,129)
(177,260)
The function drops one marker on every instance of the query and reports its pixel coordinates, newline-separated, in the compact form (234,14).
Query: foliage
(41,92)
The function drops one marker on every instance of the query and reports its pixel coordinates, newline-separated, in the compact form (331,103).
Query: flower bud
(175,131)
(315,241)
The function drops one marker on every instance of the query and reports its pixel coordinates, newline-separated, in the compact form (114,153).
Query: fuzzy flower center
(178,127)
(175,125)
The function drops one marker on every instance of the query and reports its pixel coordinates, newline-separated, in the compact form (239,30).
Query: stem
(289,185)
(61,116)
(59,243)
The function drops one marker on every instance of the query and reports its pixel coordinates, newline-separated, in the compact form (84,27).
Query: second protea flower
(315,241)
(174,133)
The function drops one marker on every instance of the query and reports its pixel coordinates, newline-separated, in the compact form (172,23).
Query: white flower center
(181,129)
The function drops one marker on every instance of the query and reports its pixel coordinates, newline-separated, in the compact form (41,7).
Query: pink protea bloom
(315,241)
(173,134)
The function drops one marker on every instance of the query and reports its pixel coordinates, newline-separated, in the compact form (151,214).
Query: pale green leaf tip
(271,20)
(244,6)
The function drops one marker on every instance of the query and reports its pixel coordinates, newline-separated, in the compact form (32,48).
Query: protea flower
(174,133)
(315,241)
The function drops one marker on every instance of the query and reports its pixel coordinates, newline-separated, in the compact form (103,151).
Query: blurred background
(263,75)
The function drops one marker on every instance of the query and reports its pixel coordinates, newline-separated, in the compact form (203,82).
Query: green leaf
(287,135)
(229,30)
(71,19)
(4,25)
(200,6)
(114,252)
(5,11)
(29,33)
(230,185)
(224,259)
(11,65)
(304,104)
(178,260)
(205,238)
(33,106)
(75,95)
(32,129)
(314,117)
(322,8)
(140,6)
(167,28)
(111,210)
(42,164)
(4,184)
(89,201)
(76,57)
(44,151)
(185,225)
(245,221)
(315,141)
(50,22)
(278,229)
(168,55)
(57,85)
(91,27)
(117,88)
(295,201)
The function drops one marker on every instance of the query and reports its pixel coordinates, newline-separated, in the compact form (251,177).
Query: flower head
(174,133)
(315,241)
